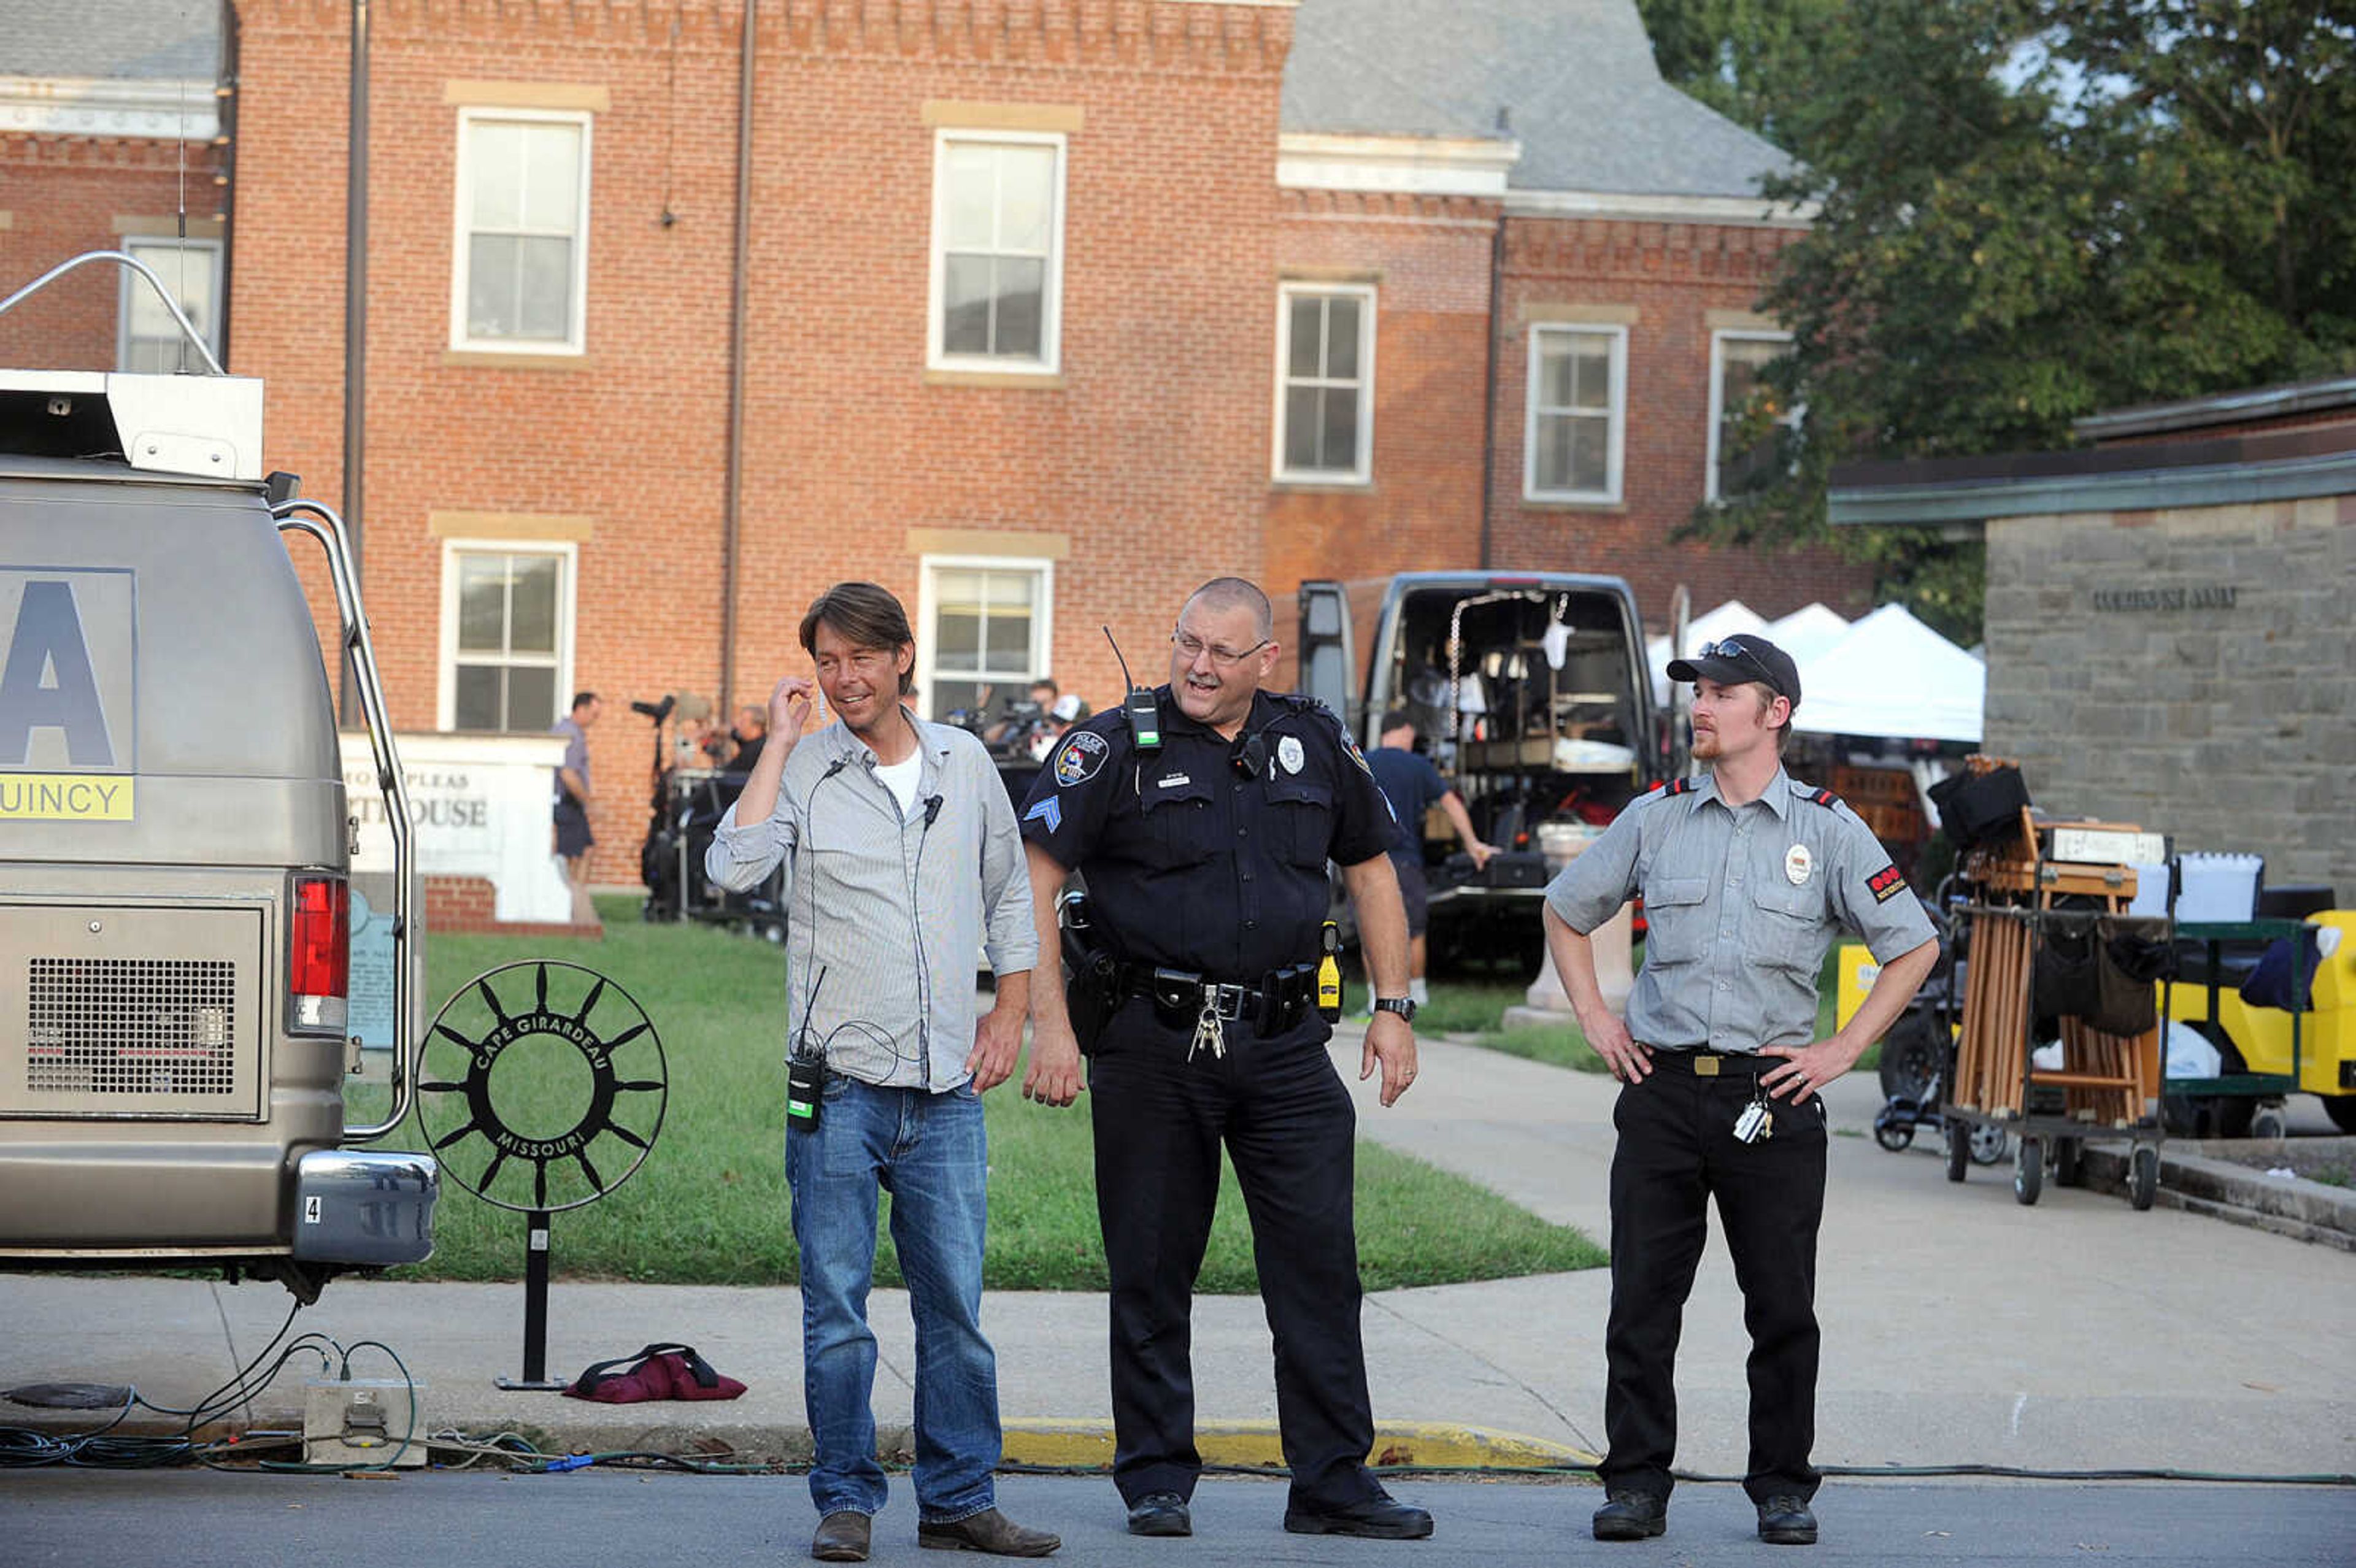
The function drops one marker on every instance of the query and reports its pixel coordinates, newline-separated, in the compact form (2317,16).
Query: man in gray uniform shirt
(901,847)
(1745,873)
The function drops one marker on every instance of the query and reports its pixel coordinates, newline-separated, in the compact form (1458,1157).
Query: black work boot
(1631,1515)
(1787,1521)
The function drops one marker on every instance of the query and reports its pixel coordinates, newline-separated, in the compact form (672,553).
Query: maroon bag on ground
(665,1370)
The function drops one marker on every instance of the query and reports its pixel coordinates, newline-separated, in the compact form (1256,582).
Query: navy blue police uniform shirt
(1192,865)
(1413,787)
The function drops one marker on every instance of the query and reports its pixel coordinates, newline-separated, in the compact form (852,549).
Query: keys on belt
(1181,996)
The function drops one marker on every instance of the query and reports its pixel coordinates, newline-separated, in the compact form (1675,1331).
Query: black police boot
(1378,1517)
(1160,1513)
(1631,1515)
(1786,1521)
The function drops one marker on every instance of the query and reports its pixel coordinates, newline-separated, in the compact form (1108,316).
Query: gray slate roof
(1576,77)
(155,40)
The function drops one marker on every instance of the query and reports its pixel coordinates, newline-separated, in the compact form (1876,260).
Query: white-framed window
(982,631)
(1736,359)
(146,338)
(507,633)
(1578,418)
(997,252)
(520,254)
(1325,382)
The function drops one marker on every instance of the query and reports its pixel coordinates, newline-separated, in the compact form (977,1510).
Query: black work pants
(1676,1151)
(1288,1126)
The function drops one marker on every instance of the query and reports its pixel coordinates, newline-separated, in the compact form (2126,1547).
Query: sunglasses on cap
(1728,648)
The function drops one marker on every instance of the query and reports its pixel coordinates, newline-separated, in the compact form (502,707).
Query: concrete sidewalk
(1959,1328)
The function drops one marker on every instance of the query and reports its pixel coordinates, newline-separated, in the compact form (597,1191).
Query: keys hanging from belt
(1207,1028)
(1757,1122)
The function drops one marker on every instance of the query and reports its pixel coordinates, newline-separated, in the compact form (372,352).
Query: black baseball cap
(1742,657)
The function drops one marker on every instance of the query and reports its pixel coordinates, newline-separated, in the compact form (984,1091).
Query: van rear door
(1325,652)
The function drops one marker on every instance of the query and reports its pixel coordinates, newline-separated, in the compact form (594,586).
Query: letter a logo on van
(49,681)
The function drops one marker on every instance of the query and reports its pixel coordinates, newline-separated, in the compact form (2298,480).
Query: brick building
(1049,310)
(2168,633)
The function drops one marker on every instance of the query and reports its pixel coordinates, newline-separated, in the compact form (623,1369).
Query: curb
(2290,1206)
(1045,1443)
(1052,1444)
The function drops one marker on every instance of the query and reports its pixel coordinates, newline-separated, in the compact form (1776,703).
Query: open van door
(1325,658)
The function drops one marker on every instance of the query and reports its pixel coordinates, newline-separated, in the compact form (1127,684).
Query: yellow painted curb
(1054,1443)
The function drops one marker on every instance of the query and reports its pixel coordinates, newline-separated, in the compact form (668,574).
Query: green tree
(2028,211)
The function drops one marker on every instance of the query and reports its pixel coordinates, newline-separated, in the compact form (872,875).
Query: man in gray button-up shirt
(1745,874)
(903,860)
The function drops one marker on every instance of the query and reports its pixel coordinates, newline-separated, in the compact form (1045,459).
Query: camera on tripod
(657,712)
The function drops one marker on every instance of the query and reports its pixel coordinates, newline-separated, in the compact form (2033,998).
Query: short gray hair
(1234,593)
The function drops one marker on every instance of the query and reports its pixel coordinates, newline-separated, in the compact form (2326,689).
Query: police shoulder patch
(1886,884)
(1079,758)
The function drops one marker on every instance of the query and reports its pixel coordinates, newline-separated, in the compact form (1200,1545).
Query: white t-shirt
(902,779)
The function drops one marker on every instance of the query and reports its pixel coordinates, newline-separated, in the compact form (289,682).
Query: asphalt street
(59,1519)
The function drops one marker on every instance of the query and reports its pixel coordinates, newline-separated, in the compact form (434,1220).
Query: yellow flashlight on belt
(1329,975)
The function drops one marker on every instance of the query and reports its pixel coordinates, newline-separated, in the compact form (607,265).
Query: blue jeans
(929,1151)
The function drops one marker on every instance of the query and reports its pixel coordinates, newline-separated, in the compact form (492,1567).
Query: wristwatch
(1403,1006)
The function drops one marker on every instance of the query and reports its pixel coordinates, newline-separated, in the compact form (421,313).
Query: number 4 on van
(311,1209)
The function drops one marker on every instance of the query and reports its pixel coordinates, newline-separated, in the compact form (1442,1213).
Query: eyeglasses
(1191,647)
(1728,648)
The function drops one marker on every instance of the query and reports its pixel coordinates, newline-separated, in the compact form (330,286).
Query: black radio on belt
(805,1070)
(805,1090)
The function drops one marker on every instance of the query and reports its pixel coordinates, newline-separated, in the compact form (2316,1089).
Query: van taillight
(319,959)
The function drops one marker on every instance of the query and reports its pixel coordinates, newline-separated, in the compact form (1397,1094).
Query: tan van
(174,850)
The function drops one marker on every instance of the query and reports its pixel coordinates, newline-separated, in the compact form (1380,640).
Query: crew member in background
(571,804)
(898,838)
(1205,864)
(751,732)
(1013,729)
(1745,875)
(1413,786)
(698,742)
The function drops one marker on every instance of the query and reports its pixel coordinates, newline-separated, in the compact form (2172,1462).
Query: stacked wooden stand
(2110,1083)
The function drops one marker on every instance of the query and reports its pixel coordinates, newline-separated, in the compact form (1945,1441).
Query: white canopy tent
(1732,616)
(1803,633)
(1892,675)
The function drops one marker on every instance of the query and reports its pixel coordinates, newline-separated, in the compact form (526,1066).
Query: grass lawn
(708,1205)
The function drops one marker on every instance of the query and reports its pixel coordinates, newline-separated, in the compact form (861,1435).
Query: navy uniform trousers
(1677,1151)
(1288,1123)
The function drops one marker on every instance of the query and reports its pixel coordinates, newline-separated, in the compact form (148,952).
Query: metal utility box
(369,1424)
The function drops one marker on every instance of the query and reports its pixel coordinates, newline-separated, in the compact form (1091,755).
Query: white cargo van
(174,847)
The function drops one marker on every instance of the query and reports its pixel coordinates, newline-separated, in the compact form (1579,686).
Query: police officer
(1205,856)
(1744,874)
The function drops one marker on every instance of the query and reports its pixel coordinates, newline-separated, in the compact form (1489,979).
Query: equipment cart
(2239,1030)
(2025,903)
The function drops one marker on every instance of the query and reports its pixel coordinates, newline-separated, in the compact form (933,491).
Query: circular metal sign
(542,1086)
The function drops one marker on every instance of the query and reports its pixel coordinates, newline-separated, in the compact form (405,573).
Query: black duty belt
(1274,1005)
(1707,1063)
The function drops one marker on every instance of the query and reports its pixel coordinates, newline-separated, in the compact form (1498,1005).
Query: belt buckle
(1704,1065)
(1227,1001)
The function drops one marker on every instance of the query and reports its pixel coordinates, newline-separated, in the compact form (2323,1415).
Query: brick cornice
(129,154)
(1248,38)
(1545,246)
(1389,206)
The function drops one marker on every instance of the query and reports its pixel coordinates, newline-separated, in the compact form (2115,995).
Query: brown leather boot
(989,1530)
(842,1538)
